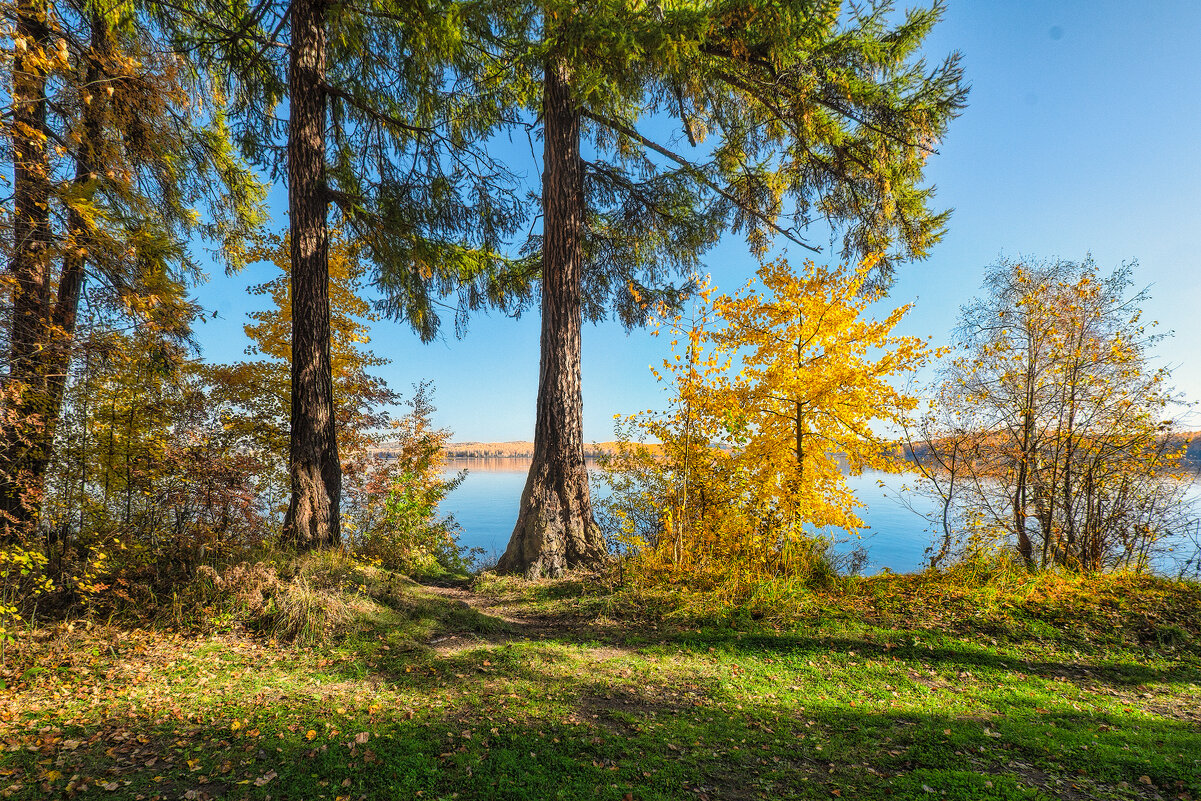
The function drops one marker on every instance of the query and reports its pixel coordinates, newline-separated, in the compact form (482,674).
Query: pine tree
(794,112)
(313,512)
(378,128)
(260,389)
(113,161)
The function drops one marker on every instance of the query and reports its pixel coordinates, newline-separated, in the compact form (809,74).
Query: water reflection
(897,537)
(486,506)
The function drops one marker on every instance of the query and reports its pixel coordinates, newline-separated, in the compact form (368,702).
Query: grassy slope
(537,692)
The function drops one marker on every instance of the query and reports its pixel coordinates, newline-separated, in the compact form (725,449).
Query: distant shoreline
(495,450)
(1189,443)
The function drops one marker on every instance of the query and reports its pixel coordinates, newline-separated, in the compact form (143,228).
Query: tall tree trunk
(313,512)
(25,393)
(555,529)
(78,242)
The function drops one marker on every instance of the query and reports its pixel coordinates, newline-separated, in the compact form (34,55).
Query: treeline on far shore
(1189,442)
(495,450)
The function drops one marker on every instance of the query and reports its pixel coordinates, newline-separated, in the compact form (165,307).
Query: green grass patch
(553,690)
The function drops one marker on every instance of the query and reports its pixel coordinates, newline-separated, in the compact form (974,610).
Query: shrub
(394,517)
(23,580)
(319,596)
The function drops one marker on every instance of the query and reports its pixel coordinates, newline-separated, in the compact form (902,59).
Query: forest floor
(517,691)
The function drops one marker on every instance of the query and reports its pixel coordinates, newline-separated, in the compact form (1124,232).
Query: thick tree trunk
(313,512)
(555,529)
(78,241)
(24,404)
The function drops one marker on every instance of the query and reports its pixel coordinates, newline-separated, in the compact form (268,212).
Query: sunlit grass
(429,698)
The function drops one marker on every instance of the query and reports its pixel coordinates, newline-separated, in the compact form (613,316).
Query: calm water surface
(486,503)
(897,537)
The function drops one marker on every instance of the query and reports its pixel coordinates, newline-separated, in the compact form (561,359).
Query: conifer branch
(699,175)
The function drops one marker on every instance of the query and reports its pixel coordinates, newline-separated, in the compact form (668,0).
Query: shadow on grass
(434,620)
(525,728)
(449,618)
(515,718)
(1127,674)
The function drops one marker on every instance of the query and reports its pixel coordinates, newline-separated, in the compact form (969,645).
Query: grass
(559,690)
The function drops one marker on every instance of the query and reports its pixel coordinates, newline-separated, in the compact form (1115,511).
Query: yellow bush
(22,580)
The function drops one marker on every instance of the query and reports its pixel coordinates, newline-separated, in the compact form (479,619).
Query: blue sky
(1080,135)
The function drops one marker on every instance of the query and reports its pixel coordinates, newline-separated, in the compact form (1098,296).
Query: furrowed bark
(555,529)
(78,241)
(313,511)
(23,423)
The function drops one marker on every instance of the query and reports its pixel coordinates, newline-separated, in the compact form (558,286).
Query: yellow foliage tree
(1053,435)
(776,390)
(261,389)
(670,488)
(817,373)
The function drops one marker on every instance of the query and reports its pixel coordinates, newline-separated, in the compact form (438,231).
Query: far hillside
(494,450)
(1190,441)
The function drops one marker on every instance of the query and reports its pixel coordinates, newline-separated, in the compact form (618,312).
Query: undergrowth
(311,598)
(592,687)
(999,601)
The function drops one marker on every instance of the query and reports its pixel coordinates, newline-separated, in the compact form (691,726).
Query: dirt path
(518,623)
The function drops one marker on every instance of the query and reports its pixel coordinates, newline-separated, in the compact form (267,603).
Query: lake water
(486,503)
(897,537)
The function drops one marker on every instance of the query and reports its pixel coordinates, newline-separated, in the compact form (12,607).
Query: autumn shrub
(248,589)
(393,515)
(412,536)
(23,581)
(311,598)
(774,392)
(147,480)
(1055,608)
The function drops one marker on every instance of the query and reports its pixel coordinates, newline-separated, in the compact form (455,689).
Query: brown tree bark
(555,529)
(22,426)
(314,509)
(65,313)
